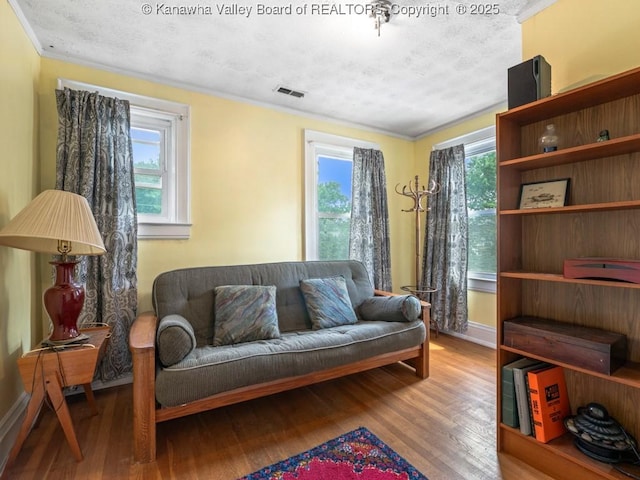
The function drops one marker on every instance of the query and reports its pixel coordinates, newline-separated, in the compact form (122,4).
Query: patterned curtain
(369,235)
(95,159)
(445,247)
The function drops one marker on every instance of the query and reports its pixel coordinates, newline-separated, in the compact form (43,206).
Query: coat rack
(418,194)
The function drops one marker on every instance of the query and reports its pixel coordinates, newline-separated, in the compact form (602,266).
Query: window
(328,170)
(160,142)
(161,172)
(334,205)
(480,162)
(148,162)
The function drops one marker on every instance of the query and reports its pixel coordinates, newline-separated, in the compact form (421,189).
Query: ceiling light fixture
(380,12)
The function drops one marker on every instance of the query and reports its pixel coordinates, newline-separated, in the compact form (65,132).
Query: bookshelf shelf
(556,277)
(594,207)
(628,374)
(559,450)
(581,153)
(603,220)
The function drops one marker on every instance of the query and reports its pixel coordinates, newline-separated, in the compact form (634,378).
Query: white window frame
(316,144)
(174,120)
(480,141)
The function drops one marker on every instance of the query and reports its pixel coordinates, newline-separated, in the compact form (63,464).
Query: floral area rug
(357,455)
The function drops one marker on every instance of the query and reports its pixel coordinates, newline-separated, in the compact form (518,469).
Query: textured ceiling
(423,71)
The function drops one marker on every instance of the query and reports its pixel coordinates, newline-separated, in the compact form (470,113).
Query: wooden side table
(47,371)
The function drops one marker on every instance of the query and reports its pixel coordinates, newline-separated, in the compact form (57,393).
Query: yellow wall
(584,40)
(246,178)
(18,185)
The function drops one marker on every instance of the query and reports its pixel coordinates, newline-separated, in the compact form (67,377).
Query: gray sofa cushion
(245,313)
(175,339)
(327,301)
(210,370)
(189,292)
(400,308)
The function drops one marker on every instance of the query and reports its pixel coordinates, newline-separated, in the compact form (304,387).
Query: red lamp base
(63,302)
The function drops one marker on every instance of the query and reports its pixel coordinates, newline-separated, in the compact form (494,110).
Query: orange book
(549,403)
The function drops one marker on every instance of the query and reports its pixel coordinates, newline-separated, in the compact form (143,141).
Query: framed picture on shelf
(552,193)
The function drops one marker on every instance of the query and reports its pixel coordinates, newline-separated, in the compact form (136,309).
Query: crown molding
(531,9)
(291,111)
(207,91)
(498,107)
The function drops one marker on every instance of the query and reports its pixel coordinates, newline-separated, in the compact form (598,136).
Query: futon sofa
(225,334)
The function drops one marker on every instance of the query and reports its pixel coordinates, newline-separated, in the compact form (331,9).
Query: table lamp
(60,223)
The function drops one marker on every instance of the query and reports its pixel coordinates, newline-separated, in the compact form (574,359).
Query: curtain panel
(95,160)
(369,235)
(446,241)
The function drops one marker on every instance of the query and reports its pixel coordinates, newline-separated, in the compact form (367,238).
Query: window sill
(164,231)
(478,283)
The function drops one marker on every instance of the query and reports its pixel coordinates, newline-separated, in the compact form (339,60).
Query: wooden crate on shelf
(590,348)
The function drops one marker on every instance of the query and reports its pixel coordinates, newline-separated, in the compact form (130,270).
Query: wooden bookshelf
(602,219)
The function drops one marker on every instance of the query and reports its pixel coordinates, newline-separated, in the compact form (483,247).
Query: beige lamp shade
(52,219)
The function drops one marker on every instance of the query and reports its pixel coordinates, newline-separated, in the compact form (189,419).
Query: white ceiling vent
(290,92)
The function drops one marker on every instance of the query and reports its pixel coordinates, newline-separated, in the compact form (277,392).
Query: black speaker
(529,81)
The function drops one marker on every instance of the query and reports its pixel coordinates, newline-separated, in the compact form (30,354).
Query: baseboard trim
(477,333)
(10,427)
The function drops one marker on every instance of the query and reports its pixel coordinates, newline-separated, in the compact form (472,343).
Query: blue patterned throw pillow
(245,313)
(328,302)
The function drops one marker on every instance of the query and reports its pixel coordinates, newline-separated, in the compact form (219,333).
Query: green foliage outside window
(481,204)
(333,208)
(334,239)
(482,243)
(481,181)
(148,200)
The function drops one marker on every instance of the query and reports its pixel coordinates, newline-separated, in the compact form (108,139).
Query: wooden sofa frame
(146,412)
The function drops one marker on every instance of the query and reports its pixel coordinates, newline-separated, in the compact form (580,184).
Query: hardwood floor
(444,426)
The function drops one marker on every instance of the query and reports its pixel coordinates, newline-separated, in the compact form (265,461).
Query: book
(522,395)
(528,388)
(509,406)
(509,402)
(549,402)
